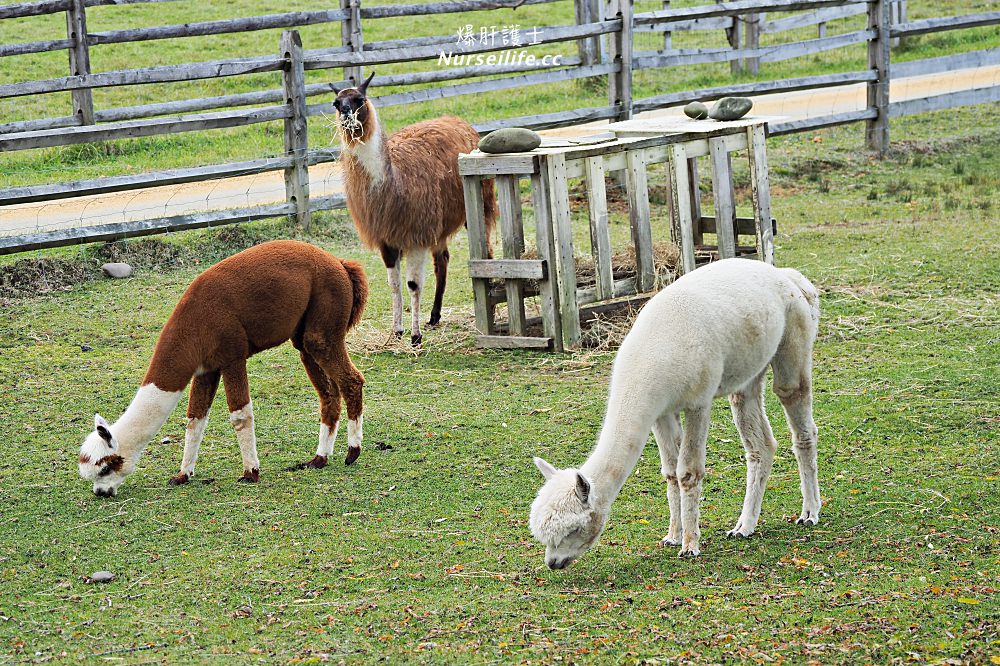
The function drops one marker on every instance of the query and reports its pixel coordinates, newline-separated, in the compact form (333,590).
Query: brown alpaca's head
(355,114)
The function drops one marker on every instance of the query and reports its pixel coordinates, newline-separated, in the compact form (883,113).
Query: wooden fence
(602,33)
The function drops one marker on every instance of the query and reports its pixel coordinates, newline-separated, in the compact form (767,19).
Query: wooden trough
(630,147)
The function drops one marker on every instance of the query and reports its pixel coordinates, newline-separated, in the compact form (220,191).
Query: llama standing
(405,195)
(712,332)
(252,301)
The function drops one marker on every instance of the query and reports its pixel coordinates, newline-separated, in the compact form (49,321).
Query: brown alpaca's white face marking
(564,517)
(100,461)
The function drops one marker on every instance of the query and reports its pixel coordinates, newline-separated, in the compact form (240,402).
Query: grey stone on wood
(731,108)
(696,110)
(510,140)
(117,270)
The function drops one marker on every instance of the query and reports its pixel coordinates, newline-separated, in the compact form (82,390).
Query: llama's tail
(359,289)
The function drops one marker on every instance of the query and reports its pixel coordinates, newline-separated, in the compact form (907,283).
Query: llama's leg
(690,471)
(390,257)
(441,257)
(329,411)
(759,443)
(793,384)
(667,431)
(241,416)
(415,260)
(203,389)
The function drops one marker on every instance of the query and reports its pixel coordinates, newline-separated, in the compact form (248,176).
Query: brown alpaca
(405,195)
(252,301)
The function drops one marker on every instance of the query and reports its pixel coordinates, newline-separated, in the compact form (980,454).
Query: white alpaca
(712,332)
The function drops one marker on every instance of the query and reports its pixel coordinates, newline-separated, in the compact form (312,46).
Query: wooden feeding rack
(552,275)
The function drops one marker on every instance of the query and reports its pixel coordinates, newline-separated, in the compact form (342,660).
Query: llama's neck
(371,154)
(144,417)
(618,449)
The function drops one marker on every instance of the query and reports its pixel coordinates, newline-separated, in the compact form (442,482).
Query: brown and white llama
(405,195)
(252,301)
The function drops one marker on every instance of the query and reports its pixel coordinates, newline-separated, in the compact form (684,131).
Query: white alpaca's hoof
(739,531)
(689,552)
(670,541)
(808,518)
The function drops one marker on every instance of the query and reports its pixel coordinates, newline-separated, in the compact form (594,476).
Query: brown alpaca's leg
(390,257)
(350,381)
(241,416)
(441,258)
(203,389)
(329,411)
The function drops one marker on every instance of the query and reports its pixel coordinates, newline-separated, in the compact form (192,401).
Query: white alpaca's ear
(583,489)
(547,470)
(103,428)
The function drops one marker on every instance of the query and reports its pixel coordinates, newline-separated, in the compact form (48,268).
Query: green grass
(219,146)
(420,551)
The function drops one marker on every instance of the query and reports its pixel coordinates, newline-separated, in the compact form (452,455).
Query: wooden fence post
(587,11)
(752,41)
(877,129)
(350,34)
(620,53)
(667,34)
(79,60)
(293,79)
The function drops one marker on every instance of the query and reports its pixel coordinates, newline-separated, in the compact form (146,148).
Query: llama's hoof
(318,462)
(669,541)
(352,454)
(808,518)
(689,552)
(397,335)
(249,476)
(434,320)
(416,340)
(178,480)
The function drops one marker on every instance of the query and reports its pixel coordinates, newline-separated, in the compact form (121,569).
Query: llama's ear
(335,89)
(583,488)
(547,470)
(363,88)
(103,428)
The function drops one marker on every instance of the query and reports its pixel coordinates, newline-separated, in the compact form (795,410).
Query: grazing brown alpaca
(252,301)
(405,195)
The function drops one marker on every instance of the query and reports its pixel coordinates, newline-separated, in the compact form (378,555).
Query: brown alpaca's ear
(363,88)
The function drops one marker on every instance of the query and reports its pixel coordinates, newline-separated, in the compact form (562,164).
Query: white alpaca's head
(564,516)
(100,461)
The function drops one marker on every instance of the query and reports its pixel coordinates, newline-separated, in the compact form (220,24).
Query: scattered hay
(605,333)
(666,257)
(43,275)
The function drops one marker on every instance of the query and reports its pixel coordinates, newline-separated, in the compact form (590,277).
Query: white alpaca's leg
(667,431)
(415,261)
(690,471)
(203,388)
(793,384)
(760,446)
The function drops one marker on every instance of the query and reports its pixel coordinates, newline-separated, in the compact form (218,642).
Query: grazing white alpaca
(405,195)
(712,332)
(254,300)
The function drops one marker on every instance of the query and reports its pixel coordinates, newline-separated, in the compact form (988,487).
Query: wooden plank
(637,190)
(620,54)
(548,292)
(452,73)
(483,164)
(745,226)
(681,195)
(694,192)
(941,24)
(512,239)
(736,9)
(812,18)
(296,129)
(550,120)
(23,9)
(564,265)
(725,199)
(808,124)
(950,63)
(945,101)
(600,232)
(122,230)
(508,269)
(753,88)
(25,48)
(761,192)
(426,9)
(91,134)
(623,287)
(476,225)
(79,61)
(512,342)
(877,129)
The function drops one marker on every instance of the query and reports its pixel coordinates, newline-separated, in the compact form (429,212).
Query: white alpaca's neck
(370,154)
(144,417)
(619,446)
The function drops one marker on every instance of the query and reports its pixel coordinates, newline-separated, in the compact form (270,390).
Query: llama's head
(355,114)
(564,516)
(100,461)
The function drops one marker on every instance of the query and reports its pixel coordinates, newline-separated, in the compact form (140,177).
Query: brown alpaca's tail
(359,288)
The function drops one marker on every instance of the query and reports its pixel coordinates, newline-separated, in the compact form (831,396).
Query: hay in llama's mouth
(351,122)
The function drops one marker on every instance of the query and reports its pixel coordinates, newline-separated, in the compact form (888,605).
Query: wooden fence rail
(604,48)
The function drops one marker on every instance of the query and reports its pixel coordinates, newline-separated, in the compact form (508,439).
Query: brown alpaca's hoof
(318,462)
(416,340)
(249,476)
(178,480)
(352,454)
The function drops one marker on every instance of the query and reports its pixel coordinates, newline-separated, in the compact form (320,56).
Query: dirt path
(325,179)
